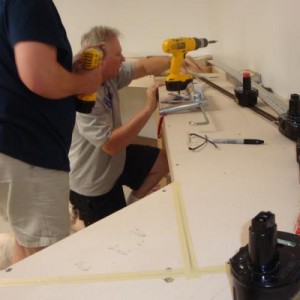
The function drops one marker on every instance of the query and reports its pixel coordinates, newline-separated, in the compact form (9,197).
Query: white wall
(144,24)
(262,35)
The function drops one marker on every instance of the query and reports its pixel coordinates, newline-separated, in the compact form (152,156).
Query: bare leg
(7,243)
(76,223)
(158,171)
(21,252)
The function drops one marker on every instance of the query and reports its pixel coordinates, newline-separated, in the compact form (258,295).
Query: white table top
(175,243)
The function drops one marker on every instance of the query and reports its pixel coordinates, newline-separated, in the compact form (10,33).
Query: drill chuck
(201,43)
(91,58)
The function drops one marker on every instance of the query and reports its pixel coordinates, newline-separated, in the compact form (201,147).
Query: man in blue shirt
(37,114)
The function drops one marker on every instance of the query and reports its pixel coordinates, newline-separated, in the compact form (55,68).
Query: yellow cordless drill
(91,58)
(178,47)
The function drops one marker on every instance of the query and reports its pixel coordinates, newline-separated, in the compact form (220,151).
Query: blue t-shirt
(33,129)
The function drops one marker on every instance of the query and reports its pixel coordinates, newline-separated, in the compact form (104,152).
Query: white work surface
(175,243)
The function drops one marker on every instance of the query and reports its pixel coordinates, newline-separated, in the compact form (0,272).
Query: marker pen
(238,141)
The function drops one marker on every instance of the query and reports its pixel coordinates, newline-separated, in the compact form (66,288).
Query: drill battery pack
(91,58)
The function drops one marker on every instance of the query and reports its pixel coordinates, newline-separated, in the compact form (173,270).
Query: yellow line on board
(167,275)
(184,232)
(89,278)
(190,270)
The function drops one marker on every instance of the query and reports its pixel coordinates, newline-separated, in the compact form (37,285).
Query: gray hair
(98,34)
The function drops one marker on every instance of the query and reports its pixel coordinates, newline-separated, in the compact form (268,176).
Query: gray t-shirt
(94,172)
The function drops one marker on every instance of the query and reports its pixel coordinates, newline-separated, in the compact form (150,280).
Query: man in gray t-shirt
(102,157)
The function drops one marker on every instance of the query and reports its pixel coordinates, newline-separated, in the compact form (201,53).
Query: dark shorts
(139,161)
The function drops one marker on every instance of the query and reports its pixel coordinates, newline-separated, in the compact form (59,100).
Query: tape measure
(274,101)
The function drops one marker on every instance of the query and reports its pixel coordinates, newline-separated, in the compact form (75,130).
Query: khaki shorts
(35,202)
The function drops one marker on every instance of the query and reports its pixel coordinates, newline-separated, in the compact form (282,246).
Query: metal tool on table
(197,101)
(178,81)
(269,98)
(232,96)
(289,115)
(179,47)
